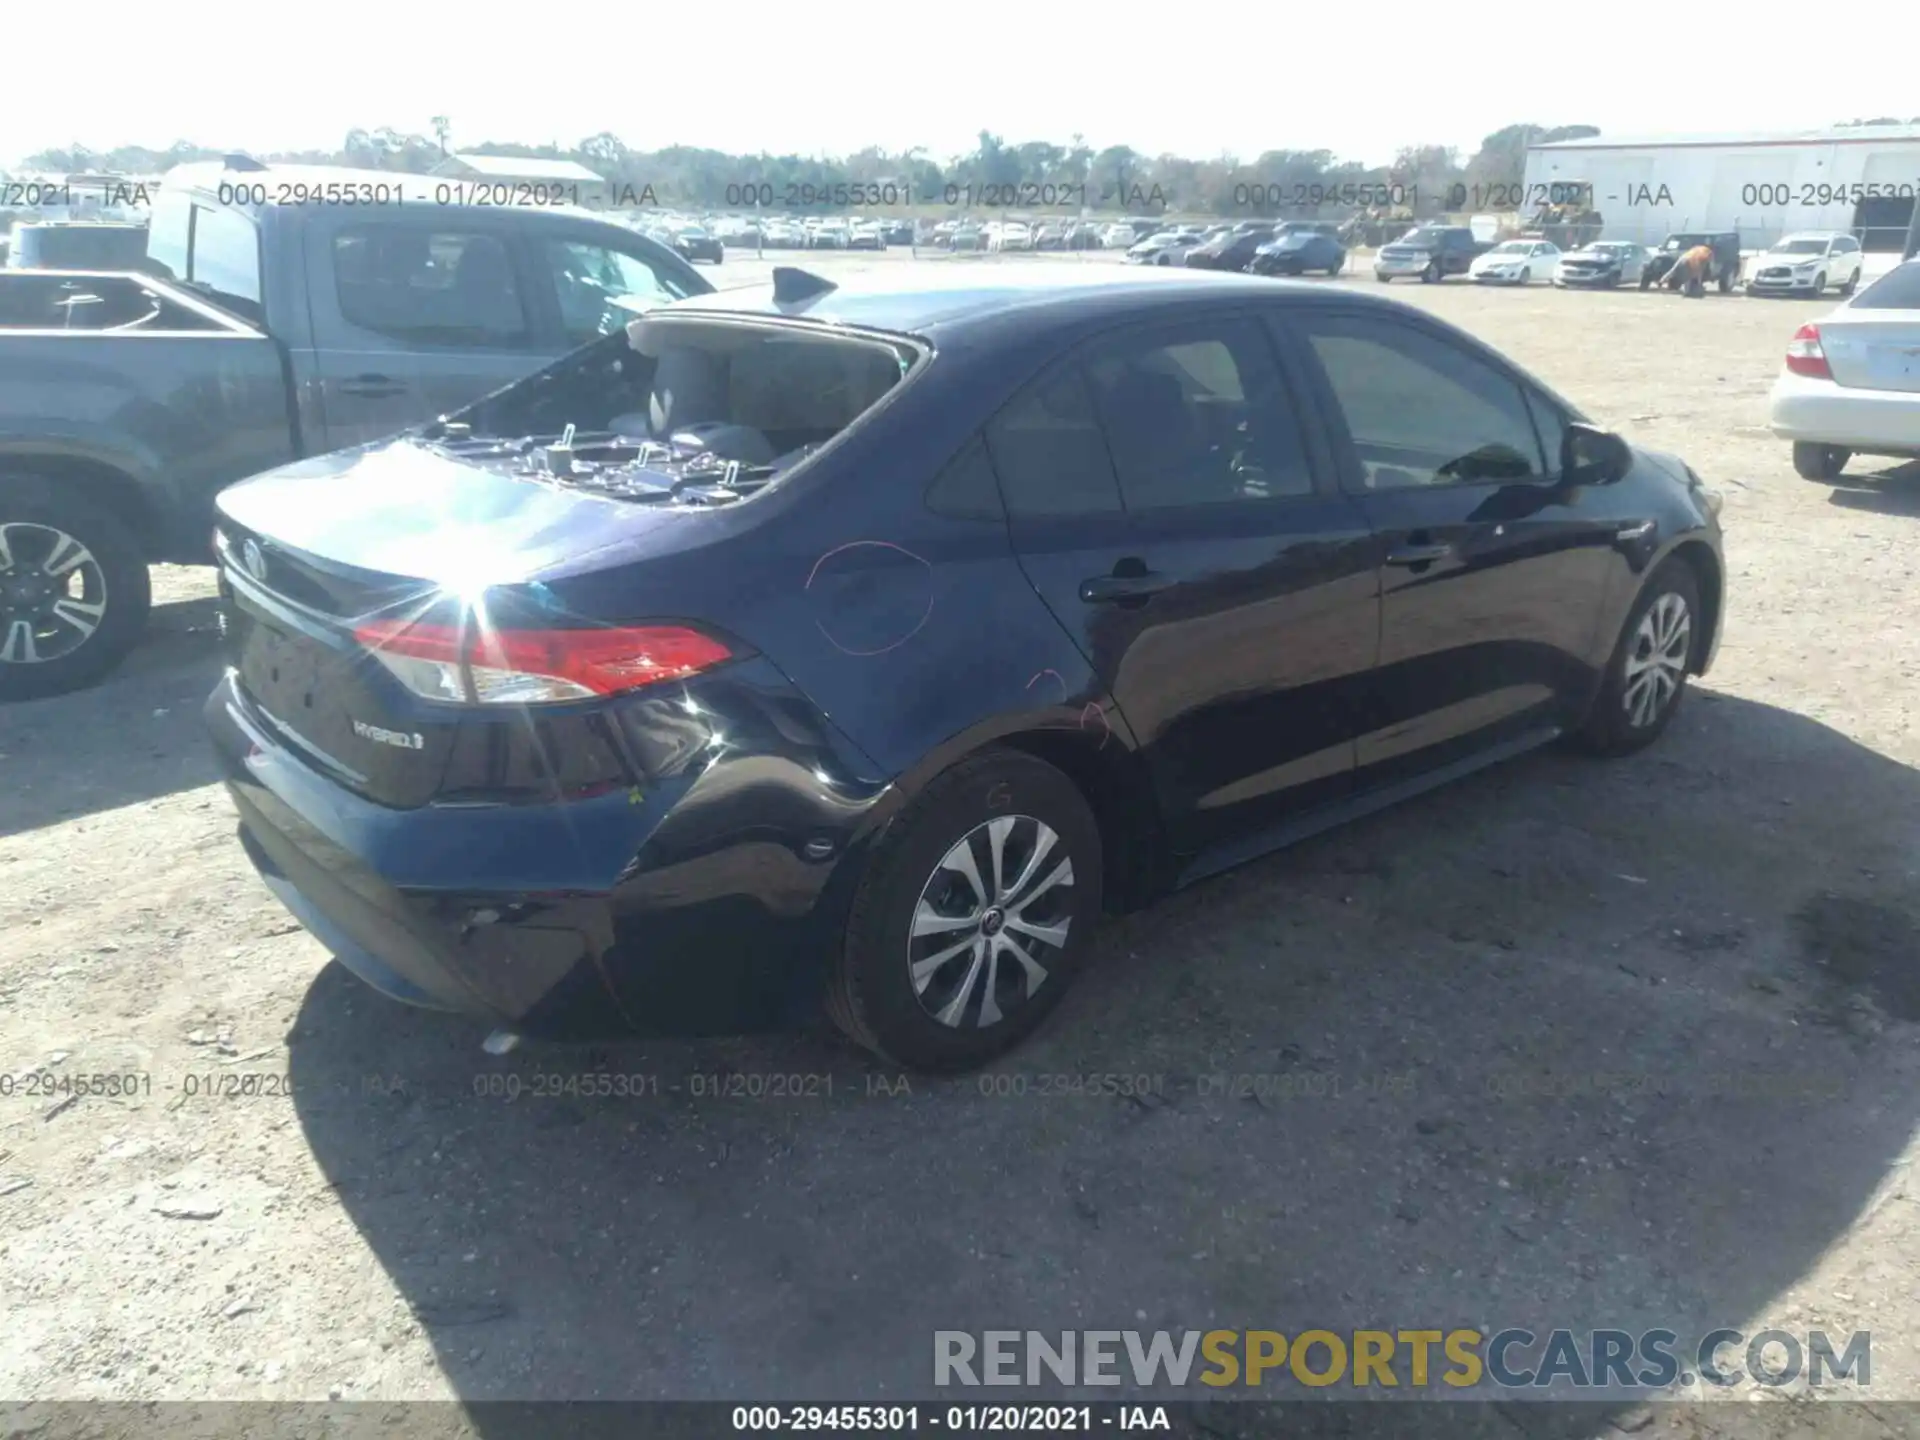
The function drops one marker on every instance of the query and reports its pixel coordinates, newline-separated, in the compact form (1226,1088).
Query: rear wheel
(973,916)
(1647,676)
(74,593)
(1819,462)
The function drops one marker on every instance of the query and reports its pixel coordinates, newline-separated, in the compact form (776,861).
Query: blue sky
(1359,79)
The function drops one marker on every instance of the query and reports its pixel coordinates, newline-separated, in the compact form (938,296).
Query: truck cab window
(429,287)
(224,258)
(598,290)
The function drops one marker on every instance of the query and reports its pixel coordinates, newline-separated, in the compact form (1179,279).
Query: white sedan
(1515,262)
(1851,385)
(1009,235)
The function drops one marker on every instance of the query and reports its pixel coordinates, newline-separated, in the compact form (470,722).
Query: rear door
(1175,509)
(415,314)
(1493,573)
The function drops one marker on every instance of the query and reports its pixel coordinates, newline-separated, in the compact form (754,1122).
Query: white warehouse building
(1861,179)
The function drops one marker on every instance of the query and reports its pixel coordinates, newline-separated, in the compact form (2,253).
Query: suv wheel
(74,594)
(1647,676)
(1853,283)
(1432,273)
(973,915)
(1819,462)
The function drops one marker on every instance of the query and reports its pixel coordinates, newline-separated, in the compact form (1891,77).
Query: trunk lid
(288,629)
(1873,349)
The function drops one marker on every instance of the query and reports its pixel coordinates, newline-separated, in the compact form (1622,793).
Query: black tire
(1851,285)
(1646,279)
(1726,283)
(1383,279)
(1611,728)
(870,992)
(1430,275)
(1814,461)
(1820,284)
(118,566)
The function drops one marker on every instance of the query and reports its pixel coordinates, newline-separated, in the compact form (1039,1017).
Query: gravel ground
(1566,1044)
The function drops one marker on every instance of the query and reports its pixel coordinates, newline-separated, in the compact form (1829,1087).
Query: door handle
(372,386)
(1102,589)
(1418,554)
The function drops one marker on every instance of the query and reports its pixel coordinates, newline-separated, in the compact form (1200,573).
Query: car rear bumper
(696,907)
(1880,422)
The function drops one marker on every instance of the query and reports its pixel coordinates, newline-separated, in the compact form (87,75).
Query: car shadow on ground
(1565,1044)
(1892,490)
(140,727)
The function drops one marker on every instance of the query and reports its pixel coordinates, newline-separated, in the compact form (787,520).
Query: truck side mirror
(1592,456)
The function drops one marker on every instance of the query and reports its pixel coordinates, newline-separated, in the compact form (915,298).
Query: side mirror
(1592,456)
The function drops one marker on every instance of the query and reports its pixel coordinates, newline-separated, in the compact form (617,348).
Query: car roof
(962,296)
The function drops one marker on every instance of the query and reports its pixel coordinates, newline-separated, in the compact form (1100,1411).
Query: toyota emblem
(254,559)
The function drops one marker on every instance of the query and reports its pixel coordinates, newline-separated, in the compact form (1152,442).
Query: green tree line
(1114,177)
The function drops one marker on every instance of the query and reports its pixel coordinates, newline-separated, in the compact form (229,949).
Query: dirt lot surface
(1566,1044)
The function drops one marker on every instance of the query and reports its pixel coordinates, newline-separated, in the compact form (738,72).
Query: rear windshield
(764,395)
(1898,289)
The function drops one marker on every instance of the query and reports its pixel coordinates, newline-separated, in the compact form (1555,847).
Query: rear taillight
(532,667)
(1804,355)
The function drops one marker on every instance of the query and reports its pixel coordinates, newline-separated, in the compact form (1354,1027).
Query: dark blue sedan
(1299,252)
(858,646)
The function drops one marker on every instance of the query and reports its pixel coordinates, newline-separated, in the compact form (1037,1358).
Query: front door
(1493,573)
(1162,501)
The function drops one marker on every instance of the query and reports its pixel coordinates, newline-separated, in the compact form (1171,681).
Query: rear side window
(966,489)
(429,287)
(1049,452)
(1197,418)
(1898,289)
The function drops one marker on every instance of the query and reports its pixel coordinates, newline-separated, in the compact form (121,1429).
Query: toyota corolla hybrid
(855,647)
